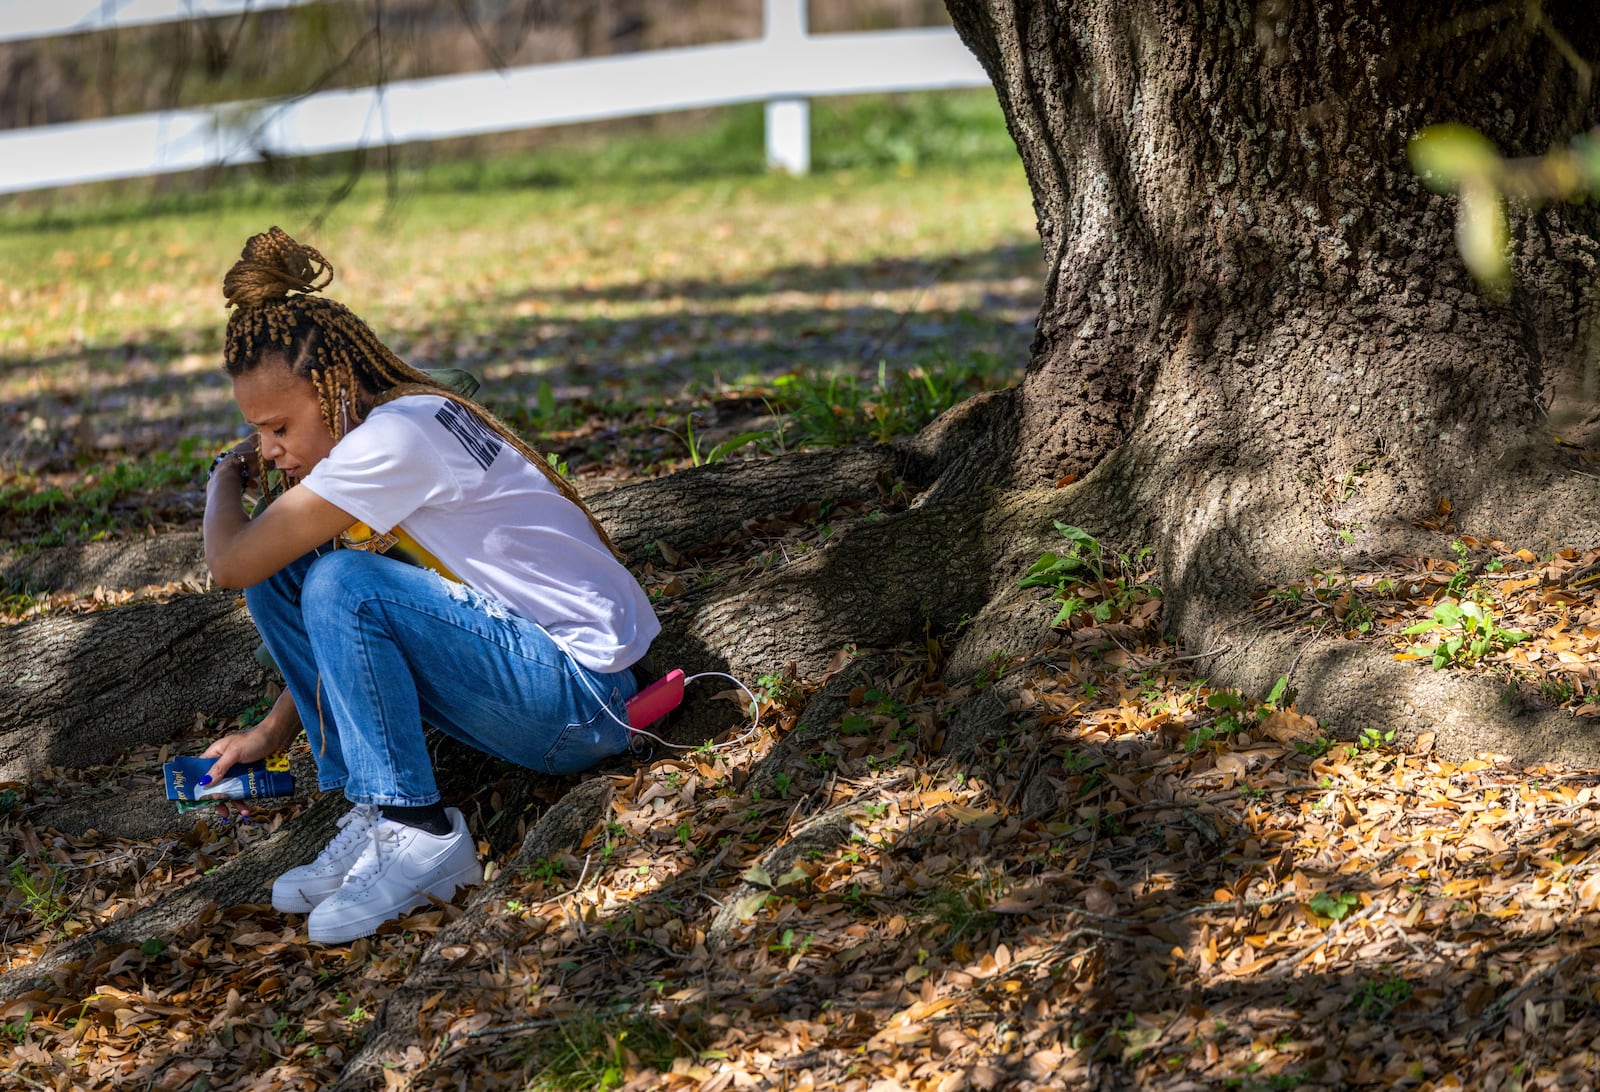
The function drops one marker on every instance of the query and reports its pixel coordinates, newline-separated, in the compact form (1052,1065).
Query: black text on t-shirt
(479,440)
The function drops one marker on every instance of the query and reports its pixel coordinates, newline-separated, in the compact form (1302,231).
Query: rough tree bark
(1252,299)
(76,690)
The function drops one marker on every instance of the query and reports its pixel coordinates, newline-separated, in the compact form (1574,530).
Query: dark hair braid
(276,315)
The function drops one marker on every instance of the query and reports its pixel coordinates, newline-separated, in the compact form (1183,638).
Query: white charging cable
(755,712)
(583,676)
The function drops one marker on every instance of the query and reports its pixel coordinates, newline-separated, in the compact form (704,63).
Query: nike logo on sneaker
(414,868)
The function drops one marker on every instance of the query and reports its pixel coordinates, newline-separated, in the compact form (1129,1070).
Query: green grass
(593,1052)
(137,492)
(604,285)
(867,133)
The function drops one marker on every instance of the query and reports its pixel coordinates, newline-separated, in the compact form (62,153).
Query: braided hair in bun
(280,315)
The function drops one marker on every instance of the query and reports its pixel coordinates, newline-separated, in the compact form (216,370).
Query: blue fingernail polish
(206,780)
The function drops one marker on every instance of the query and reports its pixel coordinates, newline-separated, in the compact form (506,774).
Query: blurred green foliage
(1455,158)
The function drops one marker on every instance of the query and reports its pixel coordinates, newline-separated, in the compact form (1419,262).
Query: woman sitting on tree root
(512,630)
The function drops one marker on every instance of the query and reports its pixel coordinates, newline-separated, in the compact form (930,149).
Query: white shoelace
(385,838)
(353,826)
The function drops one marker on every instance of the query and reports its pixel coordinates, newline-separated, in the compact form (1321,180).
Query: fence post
(788,120)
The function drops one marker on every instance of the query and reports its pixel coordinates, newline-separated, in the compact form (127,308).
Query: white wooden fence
(49,18)
(784,68)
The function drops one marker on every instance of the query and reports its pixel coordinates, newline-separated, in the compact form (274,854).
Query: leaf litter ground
(1138,881)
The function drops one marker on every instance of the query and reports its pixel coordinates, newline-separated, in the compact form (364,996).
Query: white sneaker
(299,890)
(400,868)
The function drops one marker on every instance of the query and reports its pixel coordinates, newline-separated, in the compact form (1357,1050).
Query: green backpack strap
(462,382)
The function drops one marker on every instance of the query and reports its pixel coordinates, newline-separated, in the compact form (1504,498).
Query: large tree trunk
(1252,300)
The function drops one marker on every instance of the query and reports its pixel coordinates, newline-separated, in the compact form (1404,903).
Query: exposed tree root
(818,834)
(1351,686)
(706,502)
(75,690)
(946,568)
(931,569)
(119,563)
(814,724)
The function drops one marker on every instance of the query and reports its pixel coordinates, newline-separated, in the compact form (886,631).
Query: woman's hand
(246,456)
(275,732)
(249,449)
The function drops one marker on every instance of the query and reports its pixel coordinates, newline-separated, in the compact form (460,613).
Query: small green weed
(256,712)
(615,833)
(18,598)
(1558,691)
(886,704)
(1316,748)
(1372,739)
(1358,615)
(547,414)
(962,911)
(1281,696)
(1379,997)
(1231,708)
(1089,582)
(993,669)
(1220,727)
(1272,1082)
(1326,904)
(41,894)
(1462,579)
(17,1031)
(351,1009)
(787,943)
(838,407)
(854,724)
(100,502)
(545,869)
(1468,633)
(699,455)
(778,689)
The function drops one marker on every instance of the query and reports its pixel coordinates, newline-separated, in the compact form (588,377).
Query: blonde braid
(336,397)
(271,289)
(325,401)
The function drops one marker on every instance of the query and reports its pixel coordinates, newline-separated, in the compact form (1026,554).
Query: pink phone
(656,700)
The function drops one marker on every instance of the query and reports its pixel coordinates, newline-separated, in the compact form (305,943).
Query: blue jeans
(371,647)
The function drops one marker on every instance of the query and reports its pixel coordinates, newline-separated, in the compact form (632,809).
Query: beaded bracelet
(244,468)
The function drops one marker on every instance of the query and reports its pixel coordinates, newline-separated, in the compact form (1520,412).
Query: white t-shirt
(493,520)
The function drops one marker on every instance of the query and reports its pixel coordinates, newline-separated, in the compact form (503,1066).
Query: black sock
(428,817)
